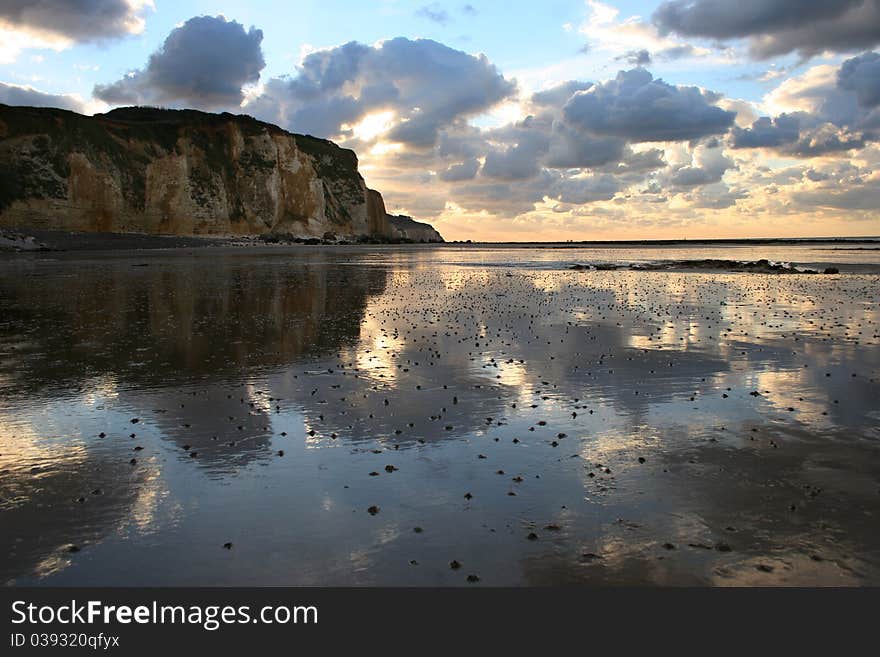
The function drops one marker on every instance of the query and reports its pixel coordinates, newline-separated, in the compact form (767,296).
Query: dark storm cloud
(11,94)
(78,20)
(426,84)
(861,75)
(203,63)
(636,107)
(776,27)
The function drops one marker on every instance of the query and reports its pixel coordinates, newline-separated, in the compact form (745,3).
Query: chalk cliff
(407,228)
(178,172)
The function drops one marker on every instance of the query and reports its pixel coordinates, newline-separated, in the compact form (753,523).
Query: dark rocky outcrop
(408,229)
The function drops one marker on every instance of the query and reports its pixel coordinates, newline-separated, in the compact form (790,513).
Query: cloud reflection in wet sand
(608,427)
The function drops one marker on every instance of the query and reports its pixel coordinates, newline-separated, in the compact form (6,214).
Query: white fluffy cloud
(826,110)
(423,84)
(58,24)
(75,20)
(204,63)
(13,94)
(636,107)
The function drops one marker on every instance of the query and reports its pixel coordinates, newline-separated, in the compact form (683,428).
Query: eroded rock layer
(178,172)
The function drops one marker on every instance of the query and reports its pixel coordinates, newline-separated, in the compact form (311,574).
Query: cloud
(203,63)
(434,13)
(828,111)
(861,75)
(559,94)
(516,149)
(607,32)
(639,108)
(75,20)
(583,189)
(511,163)
(776,27)
(816,93)
(816,176)
(825,139)
(641,161)
(708,166)
(673,53)
(717,196)
(12,94)
(635,57)
(466,170)
(768,133)
(556,161)
(424,84)
(573,149)
(500,198)
(854,195)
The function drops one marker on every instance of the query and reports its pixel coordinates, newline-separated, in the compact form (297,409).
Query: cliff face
(403,227)
(178,172)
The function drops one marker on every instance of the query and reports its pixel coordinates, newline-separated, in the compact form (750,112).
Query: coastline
(30,240)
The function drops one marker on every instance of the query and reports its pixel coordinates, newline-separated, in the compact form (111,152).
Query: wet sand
(437,416)
(29,239)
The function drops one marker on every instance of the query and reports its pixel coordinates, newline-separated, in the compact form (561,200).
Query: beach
(459,415)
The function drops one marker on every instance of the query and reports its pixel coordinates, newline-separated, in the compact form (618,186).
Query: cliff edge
(178,172)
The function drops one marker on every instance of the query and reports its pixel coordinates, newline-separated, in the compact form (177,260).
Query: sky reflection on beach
(607,426)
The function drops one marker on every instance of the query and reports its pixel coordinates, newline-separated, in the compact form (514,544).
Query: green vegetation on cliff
(151,170)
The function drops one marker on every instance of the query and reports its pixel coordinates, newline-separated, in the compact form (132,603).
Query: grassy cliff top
(154,124)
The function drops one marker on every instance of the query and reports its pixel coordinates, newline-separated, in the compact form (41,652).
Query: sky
(523,121)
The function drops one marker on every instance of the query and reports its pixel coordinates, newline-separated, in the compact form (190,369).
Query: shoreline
(721,256)
(30,240)
(27,240)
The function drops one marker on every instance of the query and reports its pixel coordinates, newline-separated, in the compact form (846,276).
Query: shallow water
(543,426)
